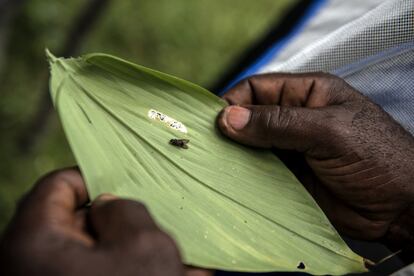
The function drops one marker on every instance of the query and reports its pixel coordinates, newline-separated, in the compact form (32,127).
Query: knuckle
(56,181)
(330,79)
(59,179)
(57,176)
(336,88)
(255,78)
(249,83)
(278,119)
(244,82)
(285,119)
(264,122)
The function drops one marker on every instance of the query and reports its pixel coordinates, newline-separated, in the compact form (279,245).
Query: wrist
(400,234)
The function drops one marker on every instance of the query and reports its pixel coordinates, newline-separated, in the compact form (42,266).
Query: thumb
(119,221)
(266,126)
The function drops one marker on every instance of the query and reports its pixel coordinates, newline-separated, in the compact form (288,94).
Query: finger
(54,199)
(119,221)
(288,128)
(305,90)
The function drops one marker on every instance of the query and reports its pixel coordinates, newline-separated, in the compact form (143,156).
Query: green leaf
(228,206)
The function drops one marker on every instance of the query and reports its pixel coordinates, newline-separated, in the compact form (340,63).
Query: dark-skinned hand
(359,162)
(53,233)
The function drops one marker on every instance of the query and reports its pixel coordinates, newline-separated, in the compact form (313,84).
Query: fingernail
(103,198)
(237,117)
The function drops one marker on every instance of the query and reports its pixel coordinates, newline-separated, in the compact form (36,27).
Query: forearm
(400,235)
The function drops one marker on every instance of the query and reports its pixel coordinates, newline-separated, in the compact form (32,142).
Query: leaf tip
(50,57)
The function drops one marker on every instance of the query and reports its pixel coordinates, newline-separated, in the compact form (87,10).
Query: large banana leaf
(228,206)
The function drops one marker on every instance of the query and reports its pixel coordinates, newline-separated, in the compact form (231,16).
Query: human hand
(53,233)
(359,161)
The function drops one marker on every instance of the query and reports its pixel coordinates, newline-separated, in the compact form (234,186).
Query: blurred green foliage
(195,40)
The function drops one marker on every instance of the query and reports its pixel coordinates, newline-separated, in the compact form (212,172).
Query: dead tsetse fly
(181,143)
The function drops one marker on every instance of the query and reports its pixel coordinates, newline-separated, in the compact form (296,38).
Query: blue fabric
(357,66)
(279,45)
(387,79)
